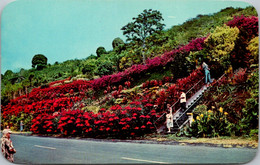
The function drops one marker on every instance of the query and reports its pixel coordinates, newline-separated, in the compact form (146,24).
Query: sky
(73,29)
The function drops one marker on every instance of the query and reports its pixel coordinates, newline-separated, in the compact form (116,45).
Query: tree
(100,50)
(39,61)
(143,26)
(8,73)
(117,42)
(92,56)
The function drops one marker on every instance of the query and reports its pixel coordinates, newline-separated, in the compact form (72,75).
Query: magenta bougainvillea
(248,26)
(151,64)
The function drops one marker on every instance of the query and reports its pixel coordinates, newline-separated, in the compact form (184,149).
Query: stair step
(190,105)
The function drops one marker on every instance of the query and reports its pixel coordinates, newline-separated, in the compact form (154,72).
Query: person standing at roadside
(7,146)
(169,118)
(21,126)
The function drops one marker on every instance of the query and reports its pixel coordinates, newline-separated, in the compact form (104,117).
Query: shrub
(240,77)
(211,124)
(248,26)
(200,109)
(253,48)
(221,43)
(104,68)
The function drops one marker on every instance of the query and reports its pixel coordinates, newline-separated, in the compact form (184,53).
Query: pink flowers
(248,26)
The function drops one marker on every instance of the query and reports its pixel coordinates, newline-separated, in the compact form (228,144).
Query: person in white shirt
(169,118)
(183,101)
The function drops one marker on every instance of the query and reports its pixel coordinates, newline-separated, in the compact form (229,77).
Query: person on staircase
(183,103)
(207,73)
(169,118)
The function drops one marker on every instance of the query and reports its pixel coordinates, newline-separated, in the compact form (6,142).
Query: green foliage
(211,124)
(130,57)
(221,43)
(253,47)
(117,42)
(104,68)
(249,11)
(251,110)
(200,109)
(89,68)
(250,113)
(253,83)
(40,61)
(100,50)
(180,67)
(116,58)
(144,25)
(8,73)
(92,56)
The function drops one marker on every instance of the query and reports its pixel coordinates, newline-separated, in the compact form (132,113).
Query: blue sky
(74,29)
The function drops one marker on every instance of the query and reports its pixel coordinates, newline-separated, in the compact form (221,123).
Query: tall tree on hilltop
(117,42)
(143,26)
(40,61)
(118,48)
(100,50)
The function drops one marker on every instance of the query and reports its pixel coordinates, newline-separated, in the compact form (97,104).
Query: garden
(128,102)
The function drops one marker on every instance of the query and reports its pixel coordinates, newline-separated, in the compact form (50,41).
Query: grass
(225,141)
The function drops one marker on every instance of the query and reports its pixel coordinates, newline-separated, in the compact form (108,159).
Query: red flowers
(66,100)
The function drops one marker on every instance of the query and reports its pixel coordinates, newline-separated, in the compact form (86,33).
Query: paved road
(42,150)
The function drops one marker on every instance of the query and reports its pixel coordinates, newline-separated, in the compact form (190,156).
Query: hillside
(17,84)
(125,103)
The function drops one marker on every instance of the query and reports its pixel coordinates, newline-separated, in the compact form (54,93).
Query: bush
(253,48)
(104,68)
(89,67)
(200,109)
(240,77)
(221,43)
(248,26)
(211,124)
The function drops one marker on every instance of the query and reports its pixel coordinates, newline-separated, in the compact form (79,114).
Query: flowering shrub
(221,43)
(248,29)
(171,93)
(118,122)
(137,71)
(248,26)
(44,124)
(211,124)
(57,108)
